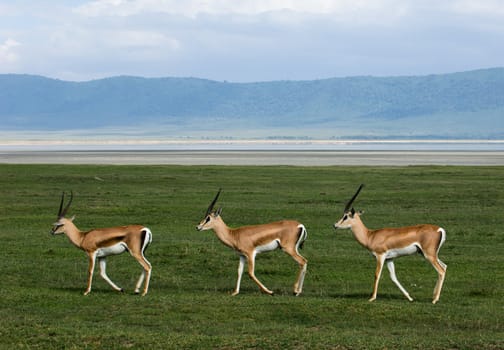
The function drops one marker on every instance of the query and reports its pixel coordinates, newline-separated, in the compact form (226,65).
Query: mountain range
(456,105)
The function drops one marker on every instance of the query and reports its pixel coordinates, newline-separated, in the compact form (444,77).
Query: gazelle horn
(211,206)
(61,204)
(350,202)
(62,213)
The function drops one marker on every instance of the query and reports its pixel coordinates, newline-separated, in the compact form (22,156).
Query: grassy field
(189,303)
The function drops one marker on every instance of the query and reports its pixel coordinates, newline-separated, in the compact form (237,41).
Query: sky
(249,40)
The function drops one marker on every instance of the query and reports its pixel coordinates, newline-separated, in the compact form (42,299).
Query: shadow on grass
(104,291)
(380,297)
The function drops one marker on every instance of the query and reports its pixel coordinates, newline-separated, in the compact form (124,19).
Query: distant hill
(459,105)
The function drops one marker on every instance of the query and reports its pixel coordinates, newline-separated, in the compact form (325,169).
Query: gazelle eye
(345,217)
(207,219)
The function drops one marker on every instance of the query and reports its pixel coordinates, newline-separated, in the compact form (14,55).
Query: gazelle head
(349,213)
(59,225)
(210,216)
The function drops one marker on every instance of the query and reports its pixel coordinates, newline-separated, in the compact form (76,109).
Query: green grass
(189,306)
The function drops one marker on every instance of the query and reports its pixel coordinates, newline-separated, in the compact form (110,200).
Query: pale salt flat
(256,157)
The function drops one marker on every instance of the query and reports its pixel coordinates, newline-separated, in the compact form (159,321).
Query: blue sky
(244,41)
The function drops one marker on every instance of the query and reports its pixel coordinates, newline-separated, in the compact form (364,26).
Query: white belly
(409,250)
(267,247)
(112,250)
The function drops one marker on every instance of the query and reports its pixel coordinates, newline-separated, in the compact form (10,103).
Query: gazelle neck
(223,232)
(73,233)
(360,231)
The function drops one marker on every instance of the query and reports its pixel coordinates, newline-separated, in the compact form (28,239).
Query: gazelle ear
(352,212)
(218,212)
(72,218)
(360,212)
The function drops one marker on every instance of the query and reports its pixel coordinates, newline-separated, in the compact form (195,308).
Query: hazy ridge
(458,105)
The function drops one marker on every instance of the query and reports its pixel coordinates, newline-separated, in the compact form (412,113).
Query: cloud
(141,39)
(250,40)
(193,8)
(8,53)
(485,7)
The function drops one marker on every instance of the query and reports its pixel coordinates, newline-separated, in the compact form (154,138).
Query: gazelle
(248,241)
(389,243)
(102,242)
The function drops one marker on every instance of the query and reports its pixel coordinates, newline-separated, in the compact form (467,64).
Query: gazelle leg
(441,270)
(251,266)
(380,260)
(241,265)
(92,258)
(139,282)
(147,269)
(103,273)
(298,286)
(393,277)
(148,273)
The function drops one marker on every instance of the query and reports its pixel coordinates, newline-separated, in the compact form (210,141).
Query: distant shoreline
(248,144)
